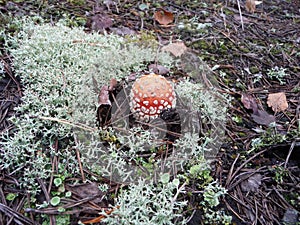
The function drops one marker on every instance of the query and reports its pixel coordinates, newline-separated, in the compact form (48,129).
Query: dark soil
(263,184)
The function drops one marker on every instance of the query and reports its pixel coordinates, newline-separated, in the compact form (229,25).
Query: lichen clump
(57,66)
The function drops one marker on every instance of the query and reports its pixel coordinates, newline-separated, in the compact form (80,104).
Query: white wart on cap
(150,95)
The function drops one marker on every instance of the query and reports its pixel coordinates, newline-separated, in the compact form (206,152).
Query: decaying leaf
(249,102)
(177,49)
(259,116)
(277,101)
(163,17)
(263,118)
(122,31)
(158,69)
(112,85)
(101,21)
(87,190)
(252,183)
(103,97)
(251,5)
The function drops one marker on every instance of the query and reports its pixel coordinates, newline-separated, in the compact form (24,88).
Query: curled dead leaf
(249,102)
(158,69)
(163,17)
(103,97)
(277,101)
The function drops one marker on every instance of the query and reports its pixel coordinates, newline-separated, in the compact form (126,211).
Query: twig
(80,165)
(289,154)
(240,12)
(18,217)
(229,176)
(78,125)
(244,163)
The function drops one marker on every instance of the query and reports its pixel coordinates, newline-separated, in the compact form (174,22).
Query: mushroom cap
(150,95)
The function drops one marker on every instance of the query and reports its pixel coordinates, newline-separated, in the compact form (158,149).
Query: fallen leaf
(101,21)
(263,118)
(112,84)
(122,31)
(290,216)
(277,101)
(103,97)
(249,103)
(250,5)
(100,218)
(158,69)
(87,190)
(252,183)
(177,48)
(163,17)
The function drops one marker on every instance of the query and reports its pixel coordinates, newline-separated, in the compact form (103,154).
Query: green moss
(201,44)
(228,11)
(77,2)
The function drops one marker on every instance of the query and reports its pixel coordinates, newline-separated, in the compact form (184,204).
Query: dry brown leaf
(249,102)
(163,17)
(251,5)
(158,69)
(177,49)
(101,22)
(252,183)
(277,101)
(103,97)
(263,118)
(113,84)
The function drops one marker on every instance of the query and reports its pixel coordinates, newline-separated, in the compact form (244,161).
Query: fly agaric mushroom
(150,95)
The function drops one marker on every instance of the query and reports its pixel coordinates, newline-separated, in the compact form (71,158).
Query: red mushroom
(150,95)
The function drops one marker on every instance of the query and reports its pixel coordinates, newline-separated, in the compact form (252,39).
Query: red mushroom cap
(150,94)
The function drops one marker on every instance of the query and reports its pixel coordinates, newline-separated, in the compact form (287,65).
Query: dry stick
(54,211)
(9,72)
(54,162)
(246,175)
(233,211)
(18,217)
(47,196)
(240,12)
(2,196)
(79,159)
(256,213)
(28,202)
(87,200)
(229,176)
(78,125)
(289,154)
(18,208)
(80,165)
